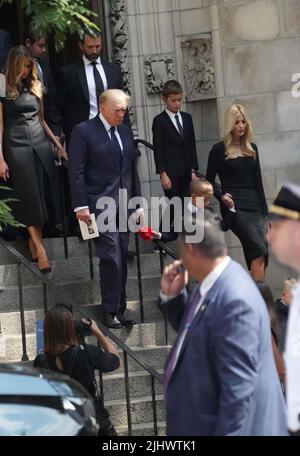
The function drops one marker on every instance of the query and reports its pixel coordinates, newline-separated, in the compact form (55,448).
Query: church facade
(221,51)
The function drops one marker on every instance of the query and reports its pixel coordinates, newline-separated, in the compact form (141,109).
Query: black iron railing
(60,296)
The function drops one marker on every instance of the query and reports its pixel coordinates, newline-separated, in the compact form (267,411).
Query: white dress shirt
(205,286)
(292,362)
(172,117)
(89,72)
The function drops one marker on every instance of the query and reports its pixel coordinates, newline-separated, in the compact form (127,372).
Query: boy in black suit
(174,144)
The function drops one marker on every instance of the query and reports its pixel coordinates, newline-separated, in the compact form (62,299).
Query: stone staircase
(72,277)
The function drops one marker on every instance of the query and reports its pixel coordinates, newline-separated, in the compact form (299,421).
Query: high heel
(32,250)
(44,265)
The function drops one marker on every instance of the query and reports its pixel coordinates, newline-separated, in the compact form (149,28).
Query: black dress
(30,159)
(241,177)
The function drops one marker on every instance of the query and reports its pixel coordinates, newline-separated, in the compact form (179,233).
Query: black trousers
(179,187)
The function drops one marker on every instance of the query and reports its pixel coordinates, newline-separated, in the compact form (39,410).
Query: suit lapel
(171,124)
(80,71)
(209,298)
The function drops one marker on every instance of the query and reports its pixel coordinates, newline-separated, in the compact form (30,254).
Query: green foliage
(6,217)
(59,17)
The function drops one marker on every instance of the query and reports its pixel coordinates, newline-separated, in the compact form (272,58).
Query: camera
(82,330)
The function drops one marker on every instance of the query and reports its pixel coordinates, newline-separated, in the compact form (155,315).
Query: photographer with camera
(65,351)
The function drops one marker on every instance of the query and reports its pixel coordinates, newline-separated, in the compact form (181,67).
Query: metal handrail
(63,298)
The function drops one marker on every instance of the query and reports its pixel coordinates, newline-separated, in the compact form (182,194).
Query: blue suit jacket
(93,166)
(225,381)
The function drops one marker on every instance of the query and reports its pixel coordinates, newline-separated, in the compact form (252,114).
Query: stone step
(139,385)
(81,292)
(10,322)
(76,248)
(139,338)
(11,347)
(54,248)
(133,310)
(145,334)
(144,429)
(155,356)
(141,410)
(76,268)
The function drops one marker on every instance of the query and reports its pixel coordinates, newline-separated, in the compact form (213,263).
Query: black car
(34,402)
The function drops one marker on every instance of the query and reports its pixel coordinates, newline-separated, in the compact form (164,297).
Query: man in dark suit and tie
(37,46)
(102,161)
(81,83)
(5,45)
(220,376)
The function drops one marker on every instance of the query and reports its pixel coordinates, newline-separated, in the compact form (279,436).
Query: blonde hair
(289,283)
(114,96)
(201,187)
(231,116)
(13,74)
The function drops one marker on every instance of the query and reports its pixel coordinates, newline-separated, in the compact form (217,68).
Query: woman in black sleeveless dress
(235,160)
(27,157)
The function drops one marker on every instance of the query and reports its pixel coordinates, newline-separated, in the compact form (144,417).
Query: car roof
(17,379)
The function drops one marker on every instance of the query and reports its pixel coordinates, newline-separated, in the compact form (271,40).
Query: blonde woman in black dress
(235,160)
(26,154)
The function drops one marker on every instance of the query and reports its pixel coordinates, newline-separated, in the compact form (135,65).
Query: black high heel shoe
(44,265)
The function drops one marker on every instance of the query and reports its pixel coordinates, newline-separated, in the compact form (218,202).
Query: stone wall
(259,45)
(256,46)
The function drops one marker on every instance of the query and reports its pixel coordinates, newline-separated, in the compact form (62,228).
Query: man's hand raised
(174,279)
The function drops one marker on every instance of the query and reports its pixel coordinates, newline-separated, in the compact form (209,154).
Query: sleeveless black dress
(30,159)
(241,177)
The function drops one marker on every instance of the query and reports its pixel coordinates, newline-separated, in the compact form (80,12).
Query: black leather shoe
(124,321)
(111,321)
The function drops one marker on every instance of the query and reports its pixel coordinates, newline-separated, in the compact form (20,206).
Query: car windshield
(33,420)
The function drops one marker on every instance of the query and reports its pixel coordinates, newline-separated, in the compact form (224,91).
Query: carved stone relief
(118,20)
(158,70)
(198,68)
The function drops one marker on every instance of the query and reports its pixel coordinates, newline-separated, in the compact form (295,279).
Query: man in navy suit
(102,161)
(5,45)
(81,83)
(77,98)
(220,376)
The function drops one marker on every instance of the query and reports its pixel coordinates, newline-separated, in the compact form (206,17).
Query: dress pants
(179,187)
(111,249)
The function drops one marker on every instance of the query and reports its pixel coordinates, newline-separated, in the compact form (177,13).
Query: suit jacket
(72,99)
(173,154)
(93,167)
(49,94)
(225,381)
(5,45)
